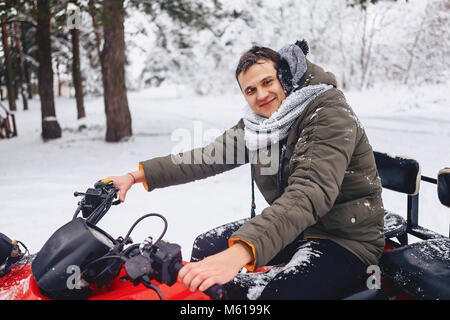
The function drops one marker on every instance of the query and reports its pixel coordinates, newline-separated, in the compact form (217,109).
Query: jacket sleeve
(226,152)
(317,167)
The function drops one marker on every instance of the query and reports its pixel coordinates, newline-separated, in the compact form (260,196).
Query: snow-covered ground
(37,179)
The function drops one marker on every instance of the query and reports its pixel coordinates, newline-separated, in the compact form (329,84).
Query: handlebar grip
(216,292)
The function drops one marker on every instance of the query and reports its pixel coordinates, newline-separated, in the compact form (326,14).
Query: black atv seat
(423,269)
(394,225)
(399,174)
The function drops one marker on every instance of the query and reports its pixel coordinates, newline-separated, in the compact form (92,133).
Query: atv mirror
(443,185)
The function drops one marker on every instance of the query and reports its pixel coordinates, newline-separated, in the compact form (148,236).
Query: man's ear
(292,65)
(285,76)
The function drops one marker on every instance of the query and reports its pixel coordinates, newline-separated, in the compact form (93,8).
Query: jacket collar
(315,75)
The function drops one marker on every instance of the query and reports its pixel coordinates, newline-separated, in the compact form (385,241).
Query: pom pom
(303,45)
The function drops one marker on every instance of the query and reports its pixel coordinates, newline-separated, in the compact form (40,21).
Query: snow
(256,282)
(412,122)
(435,249)
(37,178)
(15,288)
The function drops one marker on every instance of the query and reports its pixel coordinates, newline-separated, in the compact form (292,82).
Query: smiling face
(261,88)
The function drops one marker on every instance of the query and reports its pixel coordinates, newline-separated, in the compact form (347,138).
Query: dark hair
(254,54)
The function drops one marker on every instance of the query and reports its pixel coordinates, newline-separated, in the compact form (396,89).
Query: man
(324,225)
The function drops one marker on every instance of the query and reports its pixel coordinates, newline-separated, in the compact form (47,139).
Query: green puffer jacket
(329,183)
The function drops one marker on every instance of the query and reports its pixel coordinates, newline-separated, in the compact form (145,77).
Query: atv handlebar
(160,260)
(97,201)
(215,292)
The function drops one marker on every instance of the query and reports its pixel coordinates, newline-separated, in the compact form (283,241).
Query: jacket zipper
(280,173)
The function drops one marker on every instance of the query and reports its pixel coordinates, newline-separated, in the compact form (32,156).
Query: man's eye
(268,81)
(249,91)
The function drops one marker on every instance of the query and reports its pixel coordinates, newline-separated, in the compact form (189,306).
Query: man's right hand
(123,183)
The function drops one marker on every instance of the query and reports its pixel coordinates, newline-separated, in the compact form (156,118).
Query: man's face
(261,88)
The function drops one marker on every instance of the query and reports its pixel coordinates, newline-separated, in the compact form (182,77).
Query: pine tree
(76,72)
(20,57)
(118,117)
(8,68)
(50,125)
(6,16)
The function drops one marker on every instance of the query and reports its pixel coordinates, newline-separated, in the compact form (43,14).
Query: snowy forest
(96,86)
(87,47)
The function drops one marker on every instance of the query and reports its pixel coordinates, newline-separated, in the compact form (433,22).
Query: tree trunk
(58,78)
(28,75)
(27,70)
(93,13)
(50,126)
(20,63)
(118,117)
(363,55)
(76,72)
(8,69)
(412,51)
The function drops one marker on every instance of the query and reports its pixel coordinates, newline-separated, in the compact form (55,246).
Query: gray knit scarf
(260,131)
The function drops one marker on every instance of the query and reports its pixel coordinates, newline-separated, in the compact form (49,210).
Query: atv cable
(115,257)
(106,258)
(127,237)
(100,211)
(146,216)
(76,212)
(153,287)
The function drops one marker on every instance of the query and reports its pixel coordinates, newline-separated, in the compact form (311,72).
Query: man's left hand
(216,269)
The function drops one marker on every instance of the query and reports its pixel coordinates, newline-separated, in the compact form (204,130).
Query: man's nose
(262,94)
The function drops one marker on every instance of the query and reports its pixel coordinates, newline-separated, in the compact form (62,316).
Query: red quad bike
(81,261)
